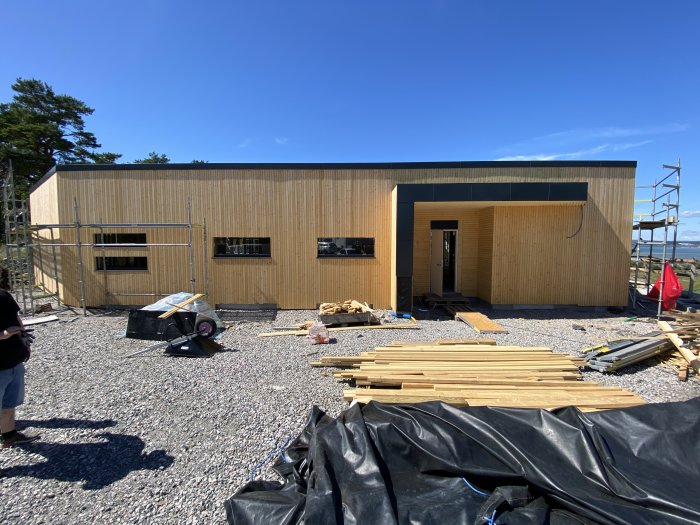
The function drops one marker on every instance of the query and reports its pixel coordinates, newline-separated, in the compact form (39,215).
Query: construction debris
(318,334)
(347,313)
(624,352)
(347,307)
(691,358)
(474,375)
(678,347)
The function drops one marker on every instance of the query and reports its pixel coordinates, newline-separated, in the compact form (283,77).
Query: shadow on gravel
(61,422)
(95,464)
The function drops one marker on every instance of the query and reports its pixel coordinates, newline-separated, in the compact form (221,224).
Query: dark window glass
(121,263)
(241,247)
(345,247)
(108,239)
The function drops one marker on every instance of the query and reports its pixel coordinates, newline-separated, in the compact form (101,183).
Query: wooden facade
(518,252)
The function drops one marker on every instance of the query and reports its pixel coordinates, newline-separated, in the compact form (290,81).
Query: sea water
(682,251)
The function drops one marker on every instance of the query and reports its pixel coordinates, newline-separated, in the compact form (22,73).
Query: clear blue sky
(375,80)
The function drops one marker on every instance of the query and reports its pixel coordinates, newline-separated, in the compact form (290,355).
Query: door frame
(457,281)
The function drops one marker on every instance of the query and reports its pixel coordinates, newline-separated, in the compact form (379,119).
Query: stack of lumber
(347,307)
(685,336)
(674,346)
(474,375)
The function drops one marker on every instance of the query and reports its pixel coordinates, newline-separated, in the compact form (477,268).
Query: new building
(510,233)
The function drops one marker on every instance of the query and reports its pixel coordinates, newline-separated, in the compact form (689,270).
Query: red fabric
(672,288)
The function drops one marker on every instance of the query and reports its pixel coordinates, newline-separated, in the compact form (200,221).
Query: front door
(443,261)
(436,249)
(449,261)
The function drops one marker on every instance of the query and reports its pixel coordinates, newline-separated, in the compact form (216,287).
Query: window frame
(99,259)
(268,255)
(347,240)
(117,243)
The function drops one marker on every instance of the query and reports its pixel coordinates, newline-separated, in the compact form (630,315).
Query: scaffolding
(662,219)
(24,244)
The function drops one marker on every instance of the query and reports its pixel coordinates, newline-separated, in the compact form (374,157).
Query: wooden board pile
(685,336)
(674,346)
(474,374)
(347,307)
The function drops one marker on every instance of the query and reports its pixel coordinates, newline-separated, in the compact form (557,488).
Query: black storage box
(144,324)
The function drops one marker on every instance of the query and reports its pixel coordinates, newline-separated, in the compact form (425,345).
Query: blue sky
(379,80)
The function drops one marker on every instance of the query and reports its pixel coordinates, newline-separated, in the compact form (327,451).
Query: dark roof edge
(353,165)
(43,179)
(344,166)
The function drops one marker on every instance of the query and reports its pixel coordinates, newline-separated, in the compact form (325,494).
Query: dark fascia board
(342,166)
(492,191)
(355,165)
(43,179)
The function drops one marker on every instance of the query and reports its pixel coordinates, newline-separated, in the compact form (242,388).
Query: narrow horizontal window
(241,246)
(110,239)
(126,264)
(345,247)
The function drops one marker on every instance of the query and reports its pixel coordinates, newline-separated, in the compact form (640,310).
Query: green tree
(153,158)
(39,129)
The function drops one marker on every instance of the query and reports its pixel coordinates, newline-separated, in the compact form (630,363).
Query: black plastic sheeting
(432,463)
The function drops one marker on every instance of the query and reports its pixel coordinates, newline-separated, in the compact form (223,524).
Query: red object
(672,288)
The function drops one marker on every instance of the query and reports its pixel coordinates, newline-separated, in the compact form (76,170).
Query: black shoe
(18,438)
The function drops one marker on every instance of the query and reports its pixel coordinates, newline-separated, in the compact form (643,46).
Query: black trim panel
(444,225)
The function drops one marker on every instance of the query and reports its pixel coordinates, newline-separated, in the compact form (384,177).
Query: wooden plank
(480,323)
(180,306)
(39,320)
(678,343)
(455,371)
(365,395)
(442,342)
(459,348)
(411,326)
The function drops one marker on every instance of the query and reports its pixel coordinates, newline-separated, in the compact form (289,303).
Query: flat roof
(342,166)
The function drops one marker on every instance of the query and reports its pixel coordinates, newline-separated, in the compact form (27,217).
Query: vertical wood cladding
(485,262)
(295,207)
(45,210)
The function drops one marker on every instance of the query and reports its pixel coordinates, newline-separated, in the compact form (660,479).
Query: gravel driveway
(156,439)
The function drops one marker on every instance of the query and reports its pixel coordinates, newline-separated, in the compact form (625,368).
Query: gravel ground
(163,440)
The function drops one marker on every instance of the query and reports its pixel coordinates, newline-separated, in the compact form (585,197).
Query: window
(345,247)
(241,247)
(125,264)
(110,239)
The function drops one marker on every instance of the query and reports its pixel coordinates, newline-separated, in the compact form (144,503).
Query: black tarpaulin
(432,463)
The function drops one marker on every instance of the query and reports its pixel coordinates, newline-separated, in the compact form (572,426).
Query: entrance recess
(443,261)
(484,194)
